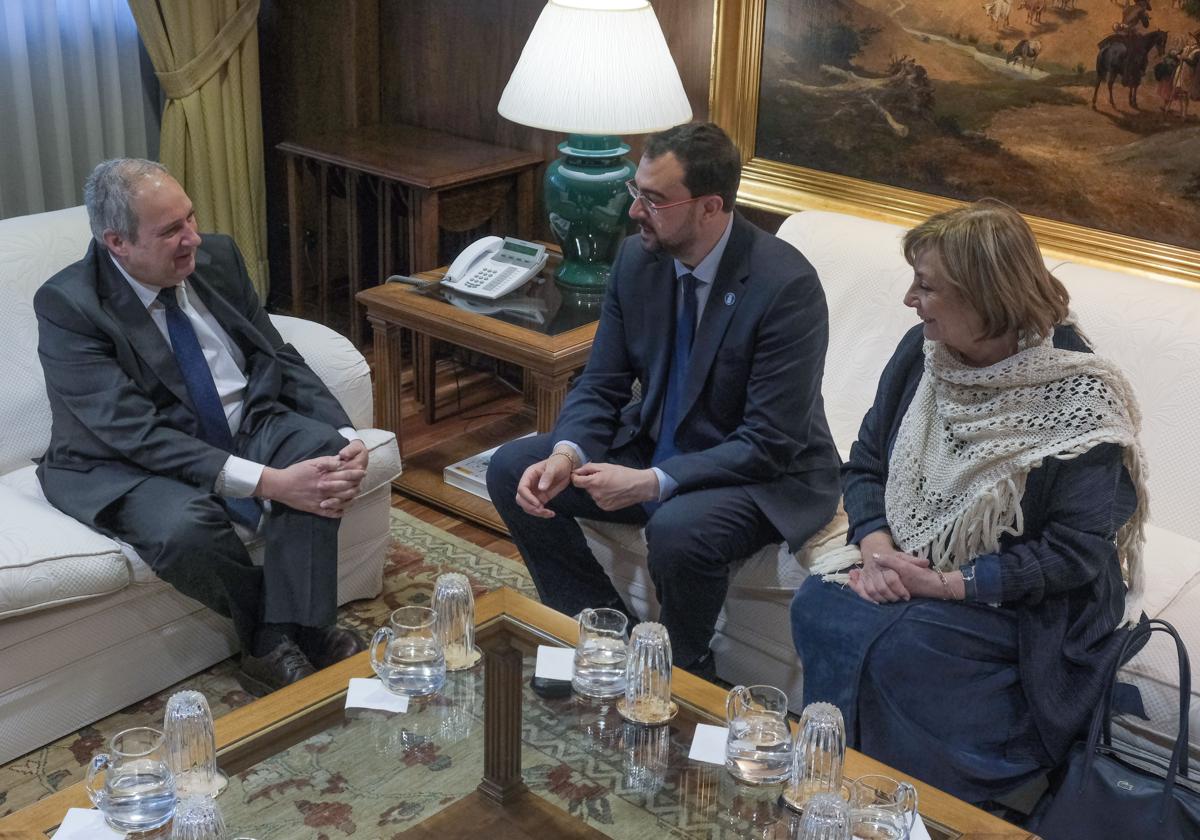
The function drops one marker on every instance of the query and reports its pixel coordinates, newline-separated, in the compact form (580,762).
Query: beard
(654,242)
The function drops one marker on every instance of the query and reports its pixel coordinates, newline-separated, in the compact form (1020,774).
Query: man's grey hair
(108,195)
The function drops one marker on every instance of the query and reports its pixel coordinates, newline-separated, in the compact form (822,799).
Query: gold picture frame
(785,188)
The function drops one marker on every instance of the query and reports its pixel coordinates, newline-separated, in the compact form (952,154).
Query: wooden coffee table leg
(501,720)
(387,376)
(548,391)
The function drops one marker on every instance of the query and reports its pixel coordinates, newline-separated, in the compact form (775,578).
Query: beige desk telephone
(495,266)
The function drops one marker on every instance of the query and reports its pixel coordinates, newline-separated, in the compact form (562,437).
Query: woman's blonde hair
(992,259)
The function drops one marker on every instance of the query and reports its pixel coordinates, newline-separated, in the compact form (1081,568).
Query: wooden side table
(413,172)
(544,330)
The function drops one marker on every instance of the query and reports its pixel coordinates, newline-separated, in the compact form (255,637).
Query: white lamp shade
(596,67)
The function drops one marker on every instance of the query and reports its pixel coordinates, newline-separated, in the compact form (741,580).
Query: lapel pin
(730,297)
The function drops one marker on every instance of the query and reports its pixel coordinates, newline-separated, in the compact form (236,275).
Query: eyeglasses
(653,208)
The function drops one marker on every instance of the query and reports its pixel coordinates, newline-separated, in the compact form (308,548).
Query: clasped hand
(611,486)
(888,574)
(324,485)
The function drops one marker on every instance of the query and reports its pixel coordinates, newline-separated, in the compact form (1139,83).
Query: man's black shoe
(325,646)
(284,665)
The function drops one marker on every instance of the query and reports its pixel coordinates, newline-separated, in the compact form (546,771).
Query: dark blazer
(120,408)
(1061,574)
(753,414)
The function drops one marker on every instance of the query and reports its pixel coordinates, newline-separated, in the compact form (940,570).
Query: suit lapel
(723,300)
(124,306)
(231,320)
(659,323)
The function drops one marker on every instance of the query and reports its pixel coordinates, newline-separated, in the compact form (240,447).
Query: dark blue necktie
(214,427)
(685,331)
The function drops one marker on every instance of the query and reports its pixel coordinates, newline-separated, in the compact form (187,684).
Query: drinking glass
(192,745)
(400,737)
(648,675)
(601,653)
(138,791)
(198,818)
(599,723)
(460,707)
(746,809)
(758,748)
(454,604)
(882,808)
(647,756)
(826,817)
(411,662)
(818,754)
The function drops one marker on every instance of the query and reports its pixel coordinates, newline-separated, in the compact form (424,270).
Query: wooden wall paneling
(431,63)
(444,66)
(319,70)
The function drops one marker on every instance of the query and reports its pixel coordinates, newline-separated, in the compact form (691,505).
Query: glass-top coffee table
(489,758)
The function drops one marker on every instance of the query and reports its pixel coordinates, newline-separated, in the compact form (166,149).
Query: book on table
(470,474)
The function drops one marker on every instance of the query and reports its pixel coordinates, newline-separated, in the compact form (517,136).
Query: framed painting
(1082,114)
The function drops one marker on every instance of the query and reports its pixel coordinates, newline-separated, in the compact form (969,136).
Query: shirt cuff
(666,485)
(583,459)
(987,580)
(239,478)
(349,434)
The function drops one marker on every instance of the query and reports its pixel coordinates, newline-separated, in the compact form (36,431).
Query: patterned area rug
(418,554)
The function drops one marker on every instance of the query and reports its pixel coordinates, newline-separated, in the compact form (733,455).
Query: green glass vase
(589,207)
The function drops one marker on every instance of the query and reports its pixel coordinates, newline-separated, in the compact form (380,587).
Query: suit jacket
(120,408)
(752,410)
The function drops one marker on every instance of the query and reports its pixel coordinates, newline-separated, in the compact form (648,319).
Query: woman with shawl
(996,502)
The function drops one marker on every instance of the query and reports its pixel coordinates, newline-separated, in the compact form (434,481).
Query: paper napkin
(370,694)
(708,744)
(85,824)
(555,663)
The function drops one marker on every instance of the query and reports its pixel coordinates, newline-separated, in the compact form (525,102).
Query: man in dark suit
(727,450)
(179,411)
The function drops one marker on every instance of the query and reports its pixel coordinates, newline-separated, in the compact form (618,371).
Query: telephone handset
(495,266)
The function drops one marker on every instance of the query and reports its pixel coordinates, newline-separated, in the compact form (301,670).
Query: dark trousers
(692,539)
(931,687)
(185,535)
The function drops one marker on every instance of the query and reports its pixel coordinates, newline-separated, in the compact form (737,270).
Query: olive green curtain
(206,55)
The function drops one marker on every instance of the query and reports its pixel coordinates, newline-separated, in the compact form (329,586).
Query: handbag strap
(1101,719)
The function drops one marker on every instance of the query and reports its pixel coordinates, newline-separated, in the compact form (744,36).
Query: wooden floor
(467,400)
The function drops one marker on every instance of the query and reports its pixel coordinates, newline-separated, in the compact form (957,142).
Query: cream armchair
(85,626)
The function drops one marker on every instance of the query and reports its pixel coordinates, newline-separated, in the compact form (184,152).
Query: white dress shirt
(239,477)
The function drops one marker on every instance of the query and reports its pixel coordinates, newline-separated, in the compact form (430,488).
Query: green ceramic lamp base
(589,207)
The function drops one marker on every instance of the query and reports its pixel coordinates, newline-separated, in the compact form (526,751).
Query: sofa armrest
(339,364)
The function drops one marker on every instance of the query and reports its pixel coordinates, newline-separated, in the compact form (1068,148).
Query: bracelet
(945,584)
(570,458)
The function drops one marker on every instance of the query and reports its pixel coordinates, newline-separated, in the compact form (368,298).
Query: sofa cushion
(1172,594)
(47,558)
(1149,328)
(864,285)
(32,249)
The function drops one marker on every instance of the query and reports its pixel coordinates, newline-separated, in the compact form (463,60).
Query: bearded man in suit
(727,449)
(179,412)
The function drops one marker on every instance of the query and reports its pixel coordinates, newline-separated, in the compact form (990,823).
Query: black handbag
(1113,791)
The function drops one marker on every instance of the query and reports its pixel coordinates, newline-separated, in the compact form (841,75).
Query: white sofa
(85,626)
(1151,327)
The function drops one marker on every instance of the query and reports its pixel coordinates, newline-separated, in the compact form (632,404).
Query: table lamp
(593,69)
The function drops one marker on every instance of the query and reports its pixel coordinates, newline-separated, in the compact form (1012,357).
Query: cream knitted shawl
(971,436)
